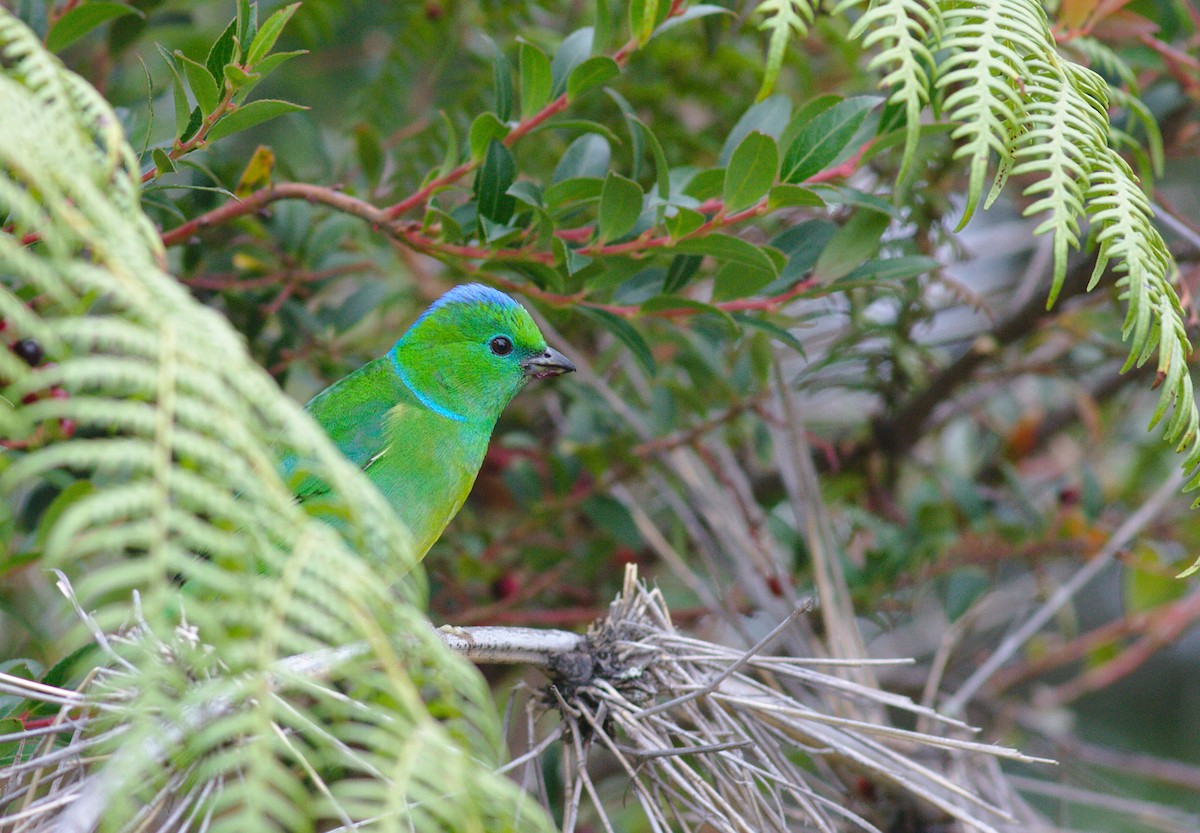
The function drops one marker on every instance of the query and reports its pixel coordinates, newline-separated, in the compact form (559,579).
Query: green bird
(418,419)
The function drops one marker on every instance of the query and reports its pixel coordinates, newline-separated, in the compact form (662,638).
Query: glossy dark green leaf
(681,270)
(268,33)
(222,52)
(587,156)
(642,286)
(751,172)
(727,248)
(536,81)
(484,130)
(573,51)
(495,177)
(590,74)
(620,206)
(249,115)
(807,112)
(501,80)
(203,85)
(83,19)
(769,117)
(625,333)
(662,172)
(824,138)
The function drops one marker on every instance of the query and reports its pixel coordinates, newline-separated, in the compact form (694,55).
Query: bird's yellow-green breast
(418,419)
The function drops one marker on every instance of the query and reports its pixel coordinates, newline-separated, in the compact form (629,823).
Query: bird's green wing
(354,413)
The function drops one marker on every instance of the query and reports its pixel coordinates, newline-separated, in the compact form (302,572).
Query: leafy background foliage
(734,218)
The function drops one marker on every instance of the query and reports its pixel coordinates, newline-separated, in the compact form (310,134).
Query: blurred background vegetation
(973,450)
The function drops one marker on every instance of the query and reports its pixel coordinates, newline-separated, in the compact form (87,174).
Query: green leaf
(625,333)
(751,171)
(450,157)
(802,244)
(501,80)
(587,156)
(572,260)
(620,206)
(182,111)
(247,21)
(787,196)
(851,245)
(264,68)
(662,172)
(486,128)
(162,162)
(769,116)
(683,222)
(727,248)
(572,52)
(222,52)
(82,19)
(203,85)
(368,147)
(268,33)
(691,13)
(193,124)
(580,125)
(664,303)
(528,193)
(496,175)
(536,80)
(248,115)
(706,185)
(591,74)
(603,28)
(772,329)
(574,190)
(681,270)
(735,281)
(637,137)
(825,137)
(807,112)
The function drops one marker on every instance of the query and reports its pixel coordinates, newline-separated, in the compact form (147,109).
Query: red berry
(506,586)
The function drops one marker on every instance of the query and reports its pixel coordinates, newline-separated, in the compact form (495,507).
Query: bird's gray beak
(546,364)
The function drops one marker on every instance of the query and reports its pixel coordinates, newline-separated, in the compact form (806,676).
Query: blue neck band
(422,398)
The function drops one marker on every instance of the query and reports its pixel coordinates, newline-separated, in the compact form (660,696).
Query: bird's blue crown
(473,293)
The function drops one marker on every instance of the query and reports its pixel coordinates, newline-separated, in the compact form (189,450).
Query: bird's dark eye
(501,345)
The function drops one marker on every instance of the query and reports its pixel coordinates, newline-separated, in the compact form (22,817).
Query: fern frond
(987,44)
(1067,125)
(904,29)
(782,19)
(179,435)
